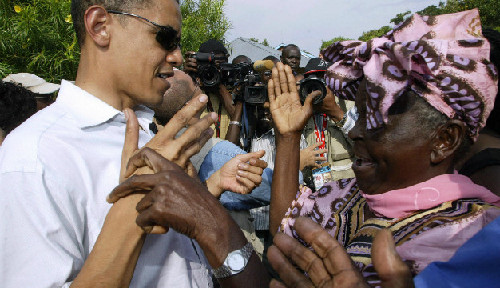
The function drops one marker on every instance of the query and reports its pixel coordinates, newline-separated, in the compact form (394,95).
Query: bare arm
(175,200)
(289,118)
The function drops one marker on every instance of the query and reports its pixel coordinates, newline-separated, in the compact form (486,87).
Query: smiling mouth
(361,162)
(164,75)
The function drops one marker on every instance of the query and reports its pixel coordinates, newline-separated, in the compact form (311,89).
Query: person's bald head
(182,89)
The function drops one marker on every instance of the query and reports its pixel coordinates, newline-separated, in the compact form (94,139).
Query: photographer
(204,66)
(324,130)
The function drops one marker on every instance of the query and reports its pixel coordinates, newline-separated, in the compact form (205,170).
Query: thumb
(393,272)
(131,141)
(248,156)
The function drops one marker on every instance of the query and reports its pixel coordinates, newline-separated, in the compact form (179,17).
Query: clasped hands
(172,197)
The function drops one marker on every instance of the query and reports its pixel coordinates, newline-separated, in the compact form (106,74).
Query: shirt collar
(91,111)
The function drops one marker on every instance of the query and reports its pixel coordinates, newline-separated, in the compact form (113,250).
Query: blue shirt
(216,158)
(475,264)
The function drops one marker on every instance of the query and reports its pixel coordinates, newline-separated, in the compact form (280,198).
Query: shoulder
(25,146)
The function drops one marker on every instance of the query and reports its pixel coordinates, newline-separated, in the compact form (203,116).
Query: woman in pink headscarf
(422,93)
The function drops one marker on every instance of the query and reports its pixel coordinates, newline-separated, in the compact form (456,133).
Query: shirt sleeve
(41,241)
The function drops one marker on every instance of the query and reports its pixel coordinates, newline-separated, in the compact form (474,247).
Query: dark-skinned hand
(329,265)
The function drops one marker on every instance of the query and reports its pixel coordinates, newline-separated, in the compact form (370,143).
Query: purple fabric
(444,59)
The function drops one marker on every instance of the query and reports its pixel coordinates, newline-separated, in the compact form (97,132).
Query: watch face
(236,262)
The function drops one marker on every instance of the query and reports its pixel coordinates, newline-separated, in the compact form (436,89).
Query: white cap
(32,82)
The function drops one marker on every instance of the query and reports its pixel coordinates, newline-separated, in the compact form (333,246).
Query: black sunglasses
(166,35)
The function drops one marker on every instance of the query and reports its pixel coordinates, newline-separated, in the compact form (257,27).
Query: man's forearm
(114,256)
(225,238)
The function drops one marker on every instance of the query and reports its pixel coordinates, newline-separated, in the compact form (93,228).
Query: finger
(145,203)
(320,151)
(258,163)
(317,158)
(276,284)
(317,144)
(246,185)
(292,83)
(246,157)
(156,229)
(308,103)
(195,146)
(252,169)
(304,258)
(180,120)
(280,262)
(393,272)
(275,76)
(334,256)
(255,178)
(270,93)
(134,184)
(150,158)
(283,78)
(131,141)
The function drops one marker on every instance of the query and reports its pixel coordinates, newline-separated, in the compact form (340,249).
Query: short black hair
(272,58)
(241,59)
(16,105)
(289,46)
(213,46)
(78,8)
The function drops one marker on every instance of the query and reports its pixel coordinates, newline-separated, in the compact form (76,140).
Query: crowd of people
(373,166)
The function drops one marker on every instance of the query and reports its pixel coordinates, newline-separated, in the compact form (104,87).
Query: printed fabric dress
(429,221)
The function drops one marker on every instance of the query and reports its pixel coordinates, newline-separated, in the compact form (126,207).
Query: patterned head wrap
(444,59)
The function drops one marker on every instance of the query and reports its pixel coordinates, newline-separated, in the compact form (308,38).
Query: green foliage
(202,20)
(366,36)
(489,10)
(37,37)
(400,17)
(265,43)
(325,44)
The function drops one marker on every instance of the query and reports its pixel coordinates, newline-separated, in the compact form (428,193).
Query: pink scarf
(443,188)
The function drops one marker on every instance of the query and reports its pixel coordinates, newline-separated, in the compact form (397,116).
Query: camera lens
(309,85)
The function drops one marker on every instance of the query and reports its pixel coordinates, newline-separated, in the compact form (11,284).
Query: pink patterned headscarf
(444,59)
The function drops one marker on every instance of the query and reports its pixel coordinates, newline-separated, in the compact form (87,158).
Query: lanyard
(320,125)
(210,108)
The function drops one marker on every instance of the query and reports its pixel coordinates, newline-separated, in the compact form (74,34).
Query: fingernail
(243,166)
(241,173)
(203,98)
(214,116)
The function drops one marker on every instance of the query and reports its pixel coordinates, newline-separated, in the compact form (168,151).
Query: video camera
(247,75)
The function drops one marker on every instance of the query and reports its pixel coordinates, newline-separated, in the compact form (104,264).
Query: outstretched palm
(289,116)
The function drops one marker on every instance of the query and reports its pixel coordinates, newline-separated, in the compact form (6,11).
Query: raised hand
(179,150)
(309,156)
(289,116)
(239,175)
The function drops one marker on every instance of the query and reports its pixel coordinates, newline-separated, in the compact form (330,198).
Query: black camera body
(207,70)
(311,83)
(255,92)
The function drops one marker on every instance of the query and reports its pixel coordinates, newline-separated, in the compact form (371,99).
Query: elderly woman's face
(392,157)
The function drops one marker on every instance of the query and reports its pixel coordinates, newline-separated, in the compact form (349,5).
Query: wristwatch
(341,123)
(235,262)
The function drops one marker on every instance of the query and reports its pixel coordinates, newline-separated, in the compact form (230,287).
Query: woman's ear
(97,25)
(447,140)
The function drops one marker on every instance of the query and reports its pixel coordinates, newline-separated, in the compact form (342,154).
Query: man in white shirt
(56,228)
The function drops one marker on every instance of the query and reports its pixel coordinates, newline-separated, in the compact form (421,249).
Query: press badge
(322,175)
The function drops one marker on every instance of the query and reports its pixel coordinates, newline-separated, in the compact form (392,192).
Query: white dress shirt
(55,172)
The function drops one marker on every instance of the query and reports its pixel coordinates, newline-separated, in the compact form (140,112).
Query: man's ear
(447,140)
(97,25)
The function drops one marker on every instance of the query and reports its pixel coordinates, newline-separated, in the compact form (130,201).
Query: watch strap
(226,271)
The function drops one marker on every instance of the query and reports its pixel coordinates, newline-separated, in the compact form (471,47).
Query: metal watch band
(225,270)
(341,123)
(235,123)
